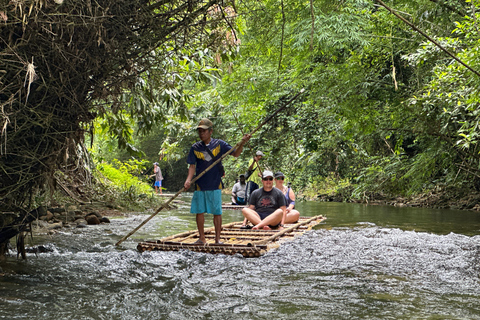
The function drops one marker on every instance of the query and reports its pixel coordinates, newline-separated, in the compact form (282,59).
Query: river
(363,262)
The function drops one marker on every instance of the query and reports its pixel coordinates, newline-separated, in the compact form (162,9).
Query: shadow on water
(361,264)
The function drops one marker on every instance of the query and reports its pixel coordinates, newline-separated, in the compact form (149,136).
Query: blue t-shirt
(212,179)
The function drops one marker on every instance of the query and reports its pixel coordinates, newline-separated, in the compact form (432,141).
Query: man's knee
(278,212)
(246,211)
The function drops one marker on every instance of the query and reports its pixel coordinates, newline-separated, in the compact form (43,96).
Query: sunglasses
(267,179)
(280,178)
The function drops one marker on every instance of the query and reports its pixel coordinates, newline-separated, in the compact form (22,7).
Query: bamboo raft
(247,242)
(232,206)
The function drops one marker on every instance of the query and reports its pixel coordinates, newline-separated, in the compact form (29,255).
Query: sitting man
(238,191)
(266,206)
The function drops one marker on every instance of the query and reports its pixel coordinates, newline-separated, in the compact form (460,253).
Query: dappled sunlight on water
(365,271)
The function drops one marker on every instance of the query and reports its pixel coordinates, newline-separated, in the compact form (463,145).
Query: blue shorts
(264,215)
(158,183)
(208,201)
(241,200)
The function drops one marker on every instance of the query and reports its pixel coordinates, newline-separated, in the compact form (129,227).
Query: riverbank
(52,219)
(78,216)
(450,198)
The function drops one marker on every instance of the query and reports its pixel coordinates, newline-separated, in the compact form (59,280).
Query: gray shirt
(239,189)
(267,201)
(158,173)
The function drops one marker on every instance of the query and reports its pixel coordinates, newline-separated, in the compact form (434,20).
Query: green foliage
(369,113)
(328,186)
(126,177)
(385,111)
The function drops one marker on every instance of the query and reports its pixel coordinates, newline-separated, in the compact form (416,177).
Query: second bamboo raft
(247,242)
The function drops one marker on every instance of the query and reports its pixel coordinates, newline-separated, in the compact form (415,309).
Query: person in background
(238,191)
(254,180)
(266,206)
(207,197)
(292,214)
(158,178)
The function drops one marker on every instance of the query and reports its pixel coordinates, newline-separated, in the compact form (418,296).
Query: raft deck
(232,206)
(247,242)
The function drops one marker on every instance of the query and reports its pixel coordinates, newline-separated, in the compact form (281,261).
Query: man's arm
(255,164)
(252,165)
(238,151)
(191,172)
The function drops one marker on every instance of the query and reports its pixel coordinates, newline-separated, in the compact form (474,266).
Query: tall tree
(63,63)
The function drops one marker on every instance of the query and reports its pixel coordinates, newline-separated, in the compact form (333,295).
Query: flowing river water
(363,262)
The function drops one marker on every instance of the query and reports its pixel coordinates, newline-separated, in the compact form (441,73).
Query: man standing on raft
(207,197)
(266,206)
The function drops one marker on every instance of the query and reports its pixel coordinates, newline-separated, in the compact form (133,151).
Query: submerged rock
(38,249)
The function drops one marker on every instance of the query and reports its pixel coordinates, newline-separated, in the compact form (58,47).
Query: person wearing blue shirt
(207,197)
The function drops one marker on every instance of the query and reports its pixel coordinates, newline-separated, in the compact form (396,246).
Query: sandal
(246,227)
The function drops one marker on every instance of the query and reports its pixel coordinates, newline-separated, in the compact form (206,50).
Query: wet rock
(105,220)
(41,211)
(81,221)
(40,224)
(38,249)
(70,216)
(94,213)
(56,225)
(92,219)
(57,210)
(47,217)
(78,214)
(59,215)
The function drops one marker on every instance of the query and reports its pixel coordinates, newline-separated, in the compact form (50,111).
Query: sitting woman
(292,214)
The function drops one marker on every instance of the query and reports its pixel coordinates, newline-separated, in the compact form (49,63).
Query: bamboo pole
(165,205)
(279,234)
(251,149)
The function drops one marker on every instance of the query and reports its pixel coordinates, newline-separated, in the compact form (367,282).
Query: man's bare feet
(199,242)
(266,228)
